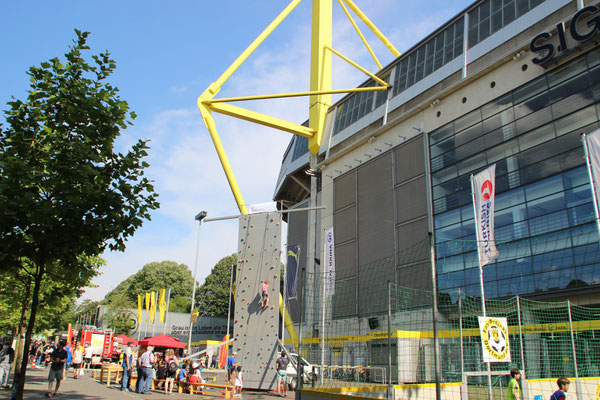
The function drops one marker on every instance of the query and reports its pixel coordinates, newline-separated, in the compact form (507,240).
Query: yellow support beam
(355,65)
(358,31)
(320,70)
(210,124)
(297,94)
(373,28)
(214,88)
(261,119)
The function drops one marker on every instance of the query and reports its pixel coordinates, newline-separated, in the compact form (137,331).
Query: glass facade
(430,56)
(484,20)
(492,15)
(358,105)
(545,222)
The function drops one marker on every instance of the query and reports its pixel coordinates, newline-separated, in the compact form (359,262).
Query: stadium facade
(513,83)
(396,166)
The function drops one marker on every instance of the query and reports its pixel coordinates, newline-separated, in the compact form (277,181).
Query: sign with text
(494,339)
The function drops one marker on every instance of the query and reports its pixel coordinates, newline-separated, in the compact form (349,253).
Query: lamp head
(201,215)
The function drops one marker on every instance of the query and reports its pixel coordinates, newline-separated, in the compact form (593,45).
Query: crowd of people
(167,366)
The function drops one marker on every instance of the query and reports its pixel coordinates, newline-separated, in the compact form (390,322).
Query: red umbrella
(162,341)
(126,339)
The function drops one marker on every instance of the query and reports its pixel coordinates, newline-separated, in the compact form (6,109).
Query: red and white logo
(486,190)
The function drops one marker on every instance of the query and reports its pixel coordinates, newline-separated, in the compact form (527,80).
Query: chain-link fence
(378,337)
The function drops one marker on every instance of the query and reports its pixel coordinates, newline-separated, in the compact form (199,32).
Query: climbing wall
(255,328)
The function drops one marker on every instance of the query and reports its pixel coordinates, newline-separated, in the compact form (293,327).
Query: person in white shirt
(87,356)
(146,361)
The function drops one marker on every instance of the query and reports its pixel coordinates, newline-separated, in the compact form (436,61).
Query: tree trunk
(19,384)
(20,330)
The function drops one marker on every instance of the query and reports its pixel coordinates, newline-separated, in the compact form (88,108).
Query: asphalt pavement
(86,388)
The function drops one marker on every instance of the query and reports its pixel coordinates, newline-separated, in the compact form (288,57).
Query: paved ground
(85,388)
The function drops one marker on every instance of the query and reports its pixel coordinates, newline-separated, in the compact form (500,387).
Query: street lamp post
(199,217)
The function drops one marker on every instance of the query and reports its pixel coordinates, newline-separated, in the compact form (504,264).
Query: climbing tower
(255,328)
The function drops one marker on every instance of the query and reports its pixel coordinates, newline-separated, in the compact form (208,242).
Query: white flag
(484,188)
(329,279)
(593,151)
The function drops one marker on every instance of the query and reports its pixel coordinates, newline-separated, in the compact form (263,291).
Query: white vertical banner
(329,279)
(591,143)
(484,188)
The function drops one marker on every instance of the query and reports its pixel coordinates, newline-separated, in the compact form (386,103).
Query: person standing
(172,367)
(213,362)
(514,391)
(563,387)
(239,382)
(231,364)
(77,359)
(87,356)
(146,361)
(69,359)
(57,368)
(127,367)
(7,355)
(281,367)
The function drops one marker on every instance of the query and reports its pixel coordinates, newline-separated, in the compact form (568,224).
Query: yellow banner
(195,314)
(139,314)
(152,306)
(147,306)
(162,305)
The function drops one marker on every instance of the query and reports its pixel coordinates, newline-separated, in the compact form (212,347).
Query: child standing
(563,387)
(514,391)
(237,391)
(264,302)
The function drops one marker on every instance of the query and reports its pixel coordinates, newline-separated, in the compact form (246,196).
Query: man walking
(7,356)
(127,365)
(147,361)
(57,368)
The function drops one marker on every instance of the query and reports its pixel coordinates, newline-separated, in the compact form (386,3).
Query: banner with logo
(139,313)
(162,305)
(291,271)
(147,306)
(152,306)
(483,186)
(494,339)
(329,257)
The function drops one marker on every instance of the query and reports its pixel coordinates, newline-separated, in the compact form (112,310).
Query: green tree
(153,277)
(65,194)
(119,316)
(212,297)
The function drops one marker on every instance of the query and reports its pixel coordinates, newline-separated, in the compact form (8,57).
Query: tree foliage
(212,297)
(65,194)
(57,294)
(153,277)
(119,316)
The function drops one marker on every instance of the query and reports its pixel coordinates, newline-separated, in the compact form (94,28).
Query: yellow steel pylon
(320,83)
(319,94)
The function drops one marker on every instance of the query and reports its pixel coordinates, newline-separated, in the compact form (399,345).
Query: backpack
(172,367)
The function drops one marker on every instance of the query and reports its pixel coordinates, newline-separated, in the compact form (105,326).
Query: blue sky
(167,54)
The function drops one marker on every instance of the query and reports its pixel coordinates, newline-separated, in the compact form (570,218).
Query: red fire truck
(100,340)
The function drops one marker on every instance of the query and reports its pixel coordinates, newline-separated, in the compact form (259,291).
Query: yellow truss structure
(319,94)
(320,83)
